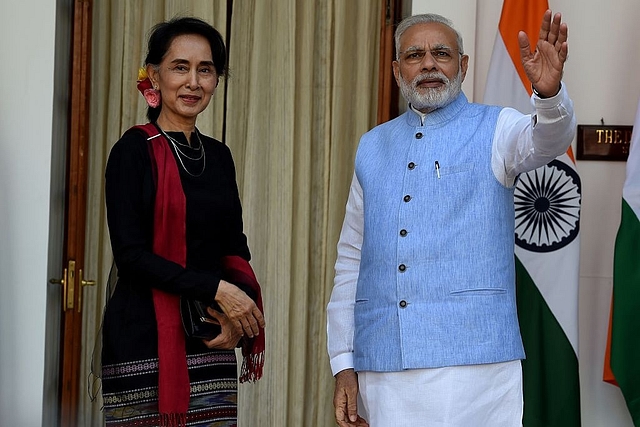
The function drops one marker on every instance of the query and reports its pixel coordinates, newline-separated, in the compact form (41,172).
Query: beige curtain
(302,89)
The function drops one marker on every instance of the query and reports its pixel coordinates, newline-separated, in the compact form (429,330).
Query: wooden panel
(76,208)
(387,87)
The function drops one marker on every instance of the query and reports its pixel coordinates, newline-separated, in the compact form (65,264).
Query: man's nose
(429,62)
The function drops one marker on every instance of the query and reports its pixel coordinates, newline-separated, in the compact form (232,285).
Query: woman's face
(186,79)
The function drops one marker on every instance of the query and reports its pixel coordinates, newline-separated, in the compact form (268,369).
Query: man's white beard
(429,99)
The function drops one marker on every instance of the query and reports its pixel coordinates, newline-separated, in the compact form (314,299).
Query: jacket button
(402,267)
(407,198)
(419,135)
(403,303)
(411,165)
(403,232)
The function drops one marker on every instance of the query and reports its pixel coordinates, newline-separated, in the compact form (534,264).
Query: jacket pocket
(478,291)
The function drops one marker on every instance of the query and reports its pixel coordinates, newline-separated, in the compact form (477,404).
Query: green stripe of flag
(550,372)
(625,332)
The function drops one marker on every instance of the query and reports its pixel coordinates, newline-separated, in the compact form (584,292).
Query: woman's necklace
(181,155)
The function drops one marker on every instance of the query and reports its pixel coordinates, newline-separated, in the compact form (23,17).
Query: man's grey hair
(424,19)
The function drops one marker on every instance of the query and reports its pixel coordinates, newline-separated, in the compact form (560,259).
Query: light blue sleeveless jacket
(437,279)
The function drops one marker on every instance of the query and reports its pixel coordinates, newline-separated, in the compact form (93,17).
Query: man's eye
(440,53)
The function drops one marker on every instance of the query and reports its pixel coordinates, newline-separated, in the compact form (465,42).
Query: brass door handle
(62,282)
(83,283)
(68,282)
(88,282)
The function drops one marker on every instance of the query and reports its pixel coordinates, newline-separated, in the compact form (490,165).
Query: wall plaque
(599,142)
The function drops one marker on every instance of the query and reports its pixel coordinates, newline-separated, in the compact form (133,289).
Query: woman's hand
(229,336)
(240,309)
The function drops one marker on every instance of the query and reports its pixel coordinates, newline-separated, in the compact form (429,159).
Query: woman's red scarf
(169,241)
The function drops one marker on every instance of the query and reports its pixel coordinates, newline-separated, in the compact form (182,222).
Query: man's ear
(396,71)
(464,64)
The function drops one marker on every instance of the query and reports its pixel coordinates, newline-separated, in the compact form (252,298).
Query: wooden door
(72,278)
(388,93)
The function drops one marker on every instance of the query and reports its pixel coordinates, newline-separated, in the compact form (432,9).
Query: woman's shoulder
(133,138)
(131,147)
(214,144)
(209,140)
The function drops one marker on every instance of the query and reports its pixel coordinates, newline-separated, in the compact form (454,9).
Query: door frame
(388,92)
(57,208)
(67,239)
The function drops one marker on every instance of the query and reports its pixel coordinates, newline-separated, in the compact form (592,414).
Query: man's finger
(525,47)
(545,26)
(341,413)
(340,417)
(555,28)
(563,33)
(352,406)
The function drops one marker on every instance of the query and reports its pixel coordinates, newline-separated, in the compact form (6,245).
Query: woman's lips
(190,99)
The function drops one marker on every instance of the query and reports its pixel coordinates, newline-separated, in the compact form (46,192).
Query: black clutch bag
(196,320)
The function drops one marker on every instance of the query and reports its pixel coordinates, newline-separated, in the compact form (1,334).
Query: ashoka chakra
(547,207)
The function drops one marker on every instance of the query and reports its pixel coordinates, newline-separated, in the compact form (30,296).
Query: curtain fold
(302,88)
(301,102)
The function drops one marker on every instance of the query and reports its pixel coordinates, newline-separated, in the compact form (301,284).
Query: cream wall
(603,81)
(27,37)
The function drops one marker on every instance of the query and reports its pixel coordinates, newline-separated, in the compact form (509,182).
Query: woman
(175,223)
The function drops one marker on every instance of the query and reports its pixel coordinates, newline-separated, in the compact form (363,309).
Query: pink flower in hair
(151,95)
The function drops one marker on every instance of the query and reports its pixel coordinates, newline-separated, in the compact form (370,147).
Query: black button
(407,198)
(419,135)
(403,232)
(411,165)
(402,267)
(403,303)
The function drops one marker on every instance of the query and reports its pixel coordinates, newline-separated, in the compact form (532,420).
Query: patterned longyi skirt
(130,391)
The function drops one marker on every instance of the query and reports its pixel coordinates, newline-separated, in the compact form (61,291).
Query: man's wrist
(541,96)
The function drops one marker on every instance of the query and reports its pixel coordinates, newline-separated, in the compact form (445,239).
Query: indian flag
(547,209)
(622,359)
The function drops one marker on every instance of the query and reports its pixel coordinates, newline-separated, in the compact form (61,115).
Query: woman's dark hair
(163,34)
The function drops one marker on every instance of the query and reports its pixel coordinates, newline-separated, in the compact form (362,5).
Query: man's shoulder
(484,107)
(390,126)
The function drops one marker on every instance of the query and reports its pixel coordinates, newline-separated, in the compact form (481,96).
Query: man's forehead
(428,35)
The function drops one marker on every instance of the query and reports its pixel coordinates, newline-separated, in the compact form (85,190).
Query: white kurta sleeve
(340,321)
(525,142)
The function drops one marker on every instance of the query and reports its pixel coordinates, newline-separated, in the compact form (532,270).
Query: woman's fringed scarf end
(252,367)
(173,420)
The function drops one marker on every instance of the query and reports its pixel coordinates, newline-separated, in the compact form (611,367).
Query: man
(422,322)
